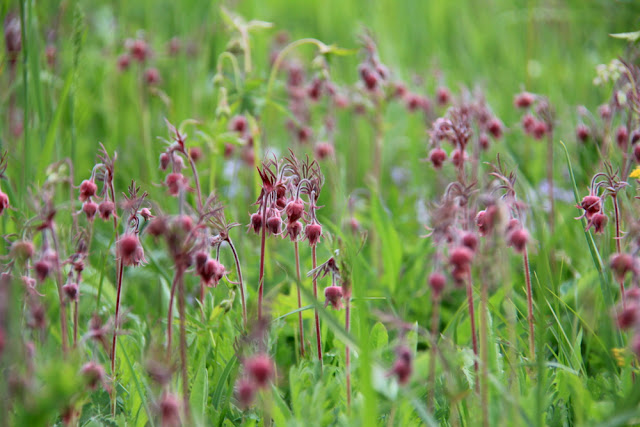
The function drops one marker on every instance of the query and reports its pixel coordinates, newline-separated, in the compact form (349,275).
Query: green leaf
(199,391)
(630,37)
(379,336)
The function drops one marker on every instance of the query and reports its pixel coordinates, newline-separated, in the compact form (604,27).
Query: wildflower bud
(369,77)
(184,222)
(324,150)
(152,76)
(175,183)
(458,157)
(124,61)
(294,210)
(157,227)
(483,141)
(165,158)
(226,305)
(470,240)
(12,37)
(170,410)
(88,189)
(412,101)
(201,258)
(495,128)
(605,112)
(628,316)
(598,221)
(304,133)
(523,100)
(333,295)
(71,291)
(260,369)
(461,257)
(635,345)
(238,124)
(195,153)
(591,205)
(622,137)
(443,96)
(129,250)
(437,282)
(146,214)
(528,123)
(313,232)
(582,132)
(539,129)
(93,373)
(22,249)
(42,269)
(315,89)
(518,239)
(90,209)
(274,223)
(139,50)
(485,221)
(635,136)
(4,202)
(402,367)
(256,222)
(437,156)
(106,209)
(399,90)
(621,264)
(293,230)
(636,152)
(212,272)
(245,392)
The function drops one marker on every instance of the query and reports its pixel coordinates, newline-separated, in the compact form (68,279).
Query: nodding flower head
(293,230)
(324,150)
(130,251)
(528,123)
(71,291)
(470,240)
(582,132)
(152,76)
(460,259)
(238,124)
(622,136)
(294,210)
(93,374)
(157,227)
(628,316)
(437,156)
(274,222)
(486,220)
(124,61)
(88,189)
(90,208)
(621,264)
(170,410)
(458,157)
(313,232)
(139,50)
(22,249)
(523,100)
(175,183)
(4,202)
(106,208)
(245,392)
(518,239)
(495,128)
(256,222)
(42,268)
(437,282)
(402,367)
(598,221)
(165,159)
(260,369)
(539,129)
(212,272)
(333,295)
(443,96)
(591,205)
(200,259)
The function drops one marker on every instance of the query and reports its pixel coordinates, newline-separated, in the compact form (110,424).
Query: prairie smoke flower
(124,61)
(22,249)
(628,316)
(294,210)
(437,282)
(333,295)
(437,156)
(94,374)
(152,76)
(622,136)
(170,410)
(256,222)
(71,291)
(324,150)
(90,208)
(175,183)
(4,202)
(523,100)
(212,272)
(402,367)
(470,240)
(238,124)
(293,230)
(245,392)
(88,189)
(582,132)
(42,268)
(313,232)
(518,239)
(274,222)
(139,50)
(130,251)
(106,209)
(598,221)
(621,264)
(591,205)
(260,369)
(443,96)
(495,128)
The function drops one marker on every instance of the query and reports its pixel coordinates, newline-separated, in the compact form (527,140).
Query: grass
(374,210)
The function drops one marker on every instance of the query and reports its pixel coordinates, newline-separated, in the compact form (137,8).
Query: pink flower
(260,369)
(88,189)
(333,295)
(130,251)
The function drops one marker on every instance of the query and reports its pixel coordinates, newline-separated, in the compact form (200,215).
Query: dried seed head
(437,282)
(71,291)
(106,208)
(88,189)
(90,208)
(260,369)
(437,156)
(333,295)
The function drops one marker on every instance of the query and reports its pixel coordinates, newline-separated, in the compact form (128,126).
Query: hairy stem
(314,265)
(240,282)
(297,255)
(262,255)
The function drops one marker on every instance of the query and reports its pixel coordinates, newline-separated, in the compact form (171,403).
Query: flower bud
(437,282)
(333,295)
(88,189)
(313,232)
(106,209)
(260,369)
(71,291)
(90,208)
(437,156)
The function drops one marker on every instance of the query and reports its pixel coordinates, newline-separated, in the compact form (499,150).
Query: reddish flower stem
(240,281)
(431,382)
(474,338)
(314,265)
(530,317)
(115,334)
(183,343)
(616,209)
(63,310)
(262,255)
(170,315)
(197,181)
(297,255)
